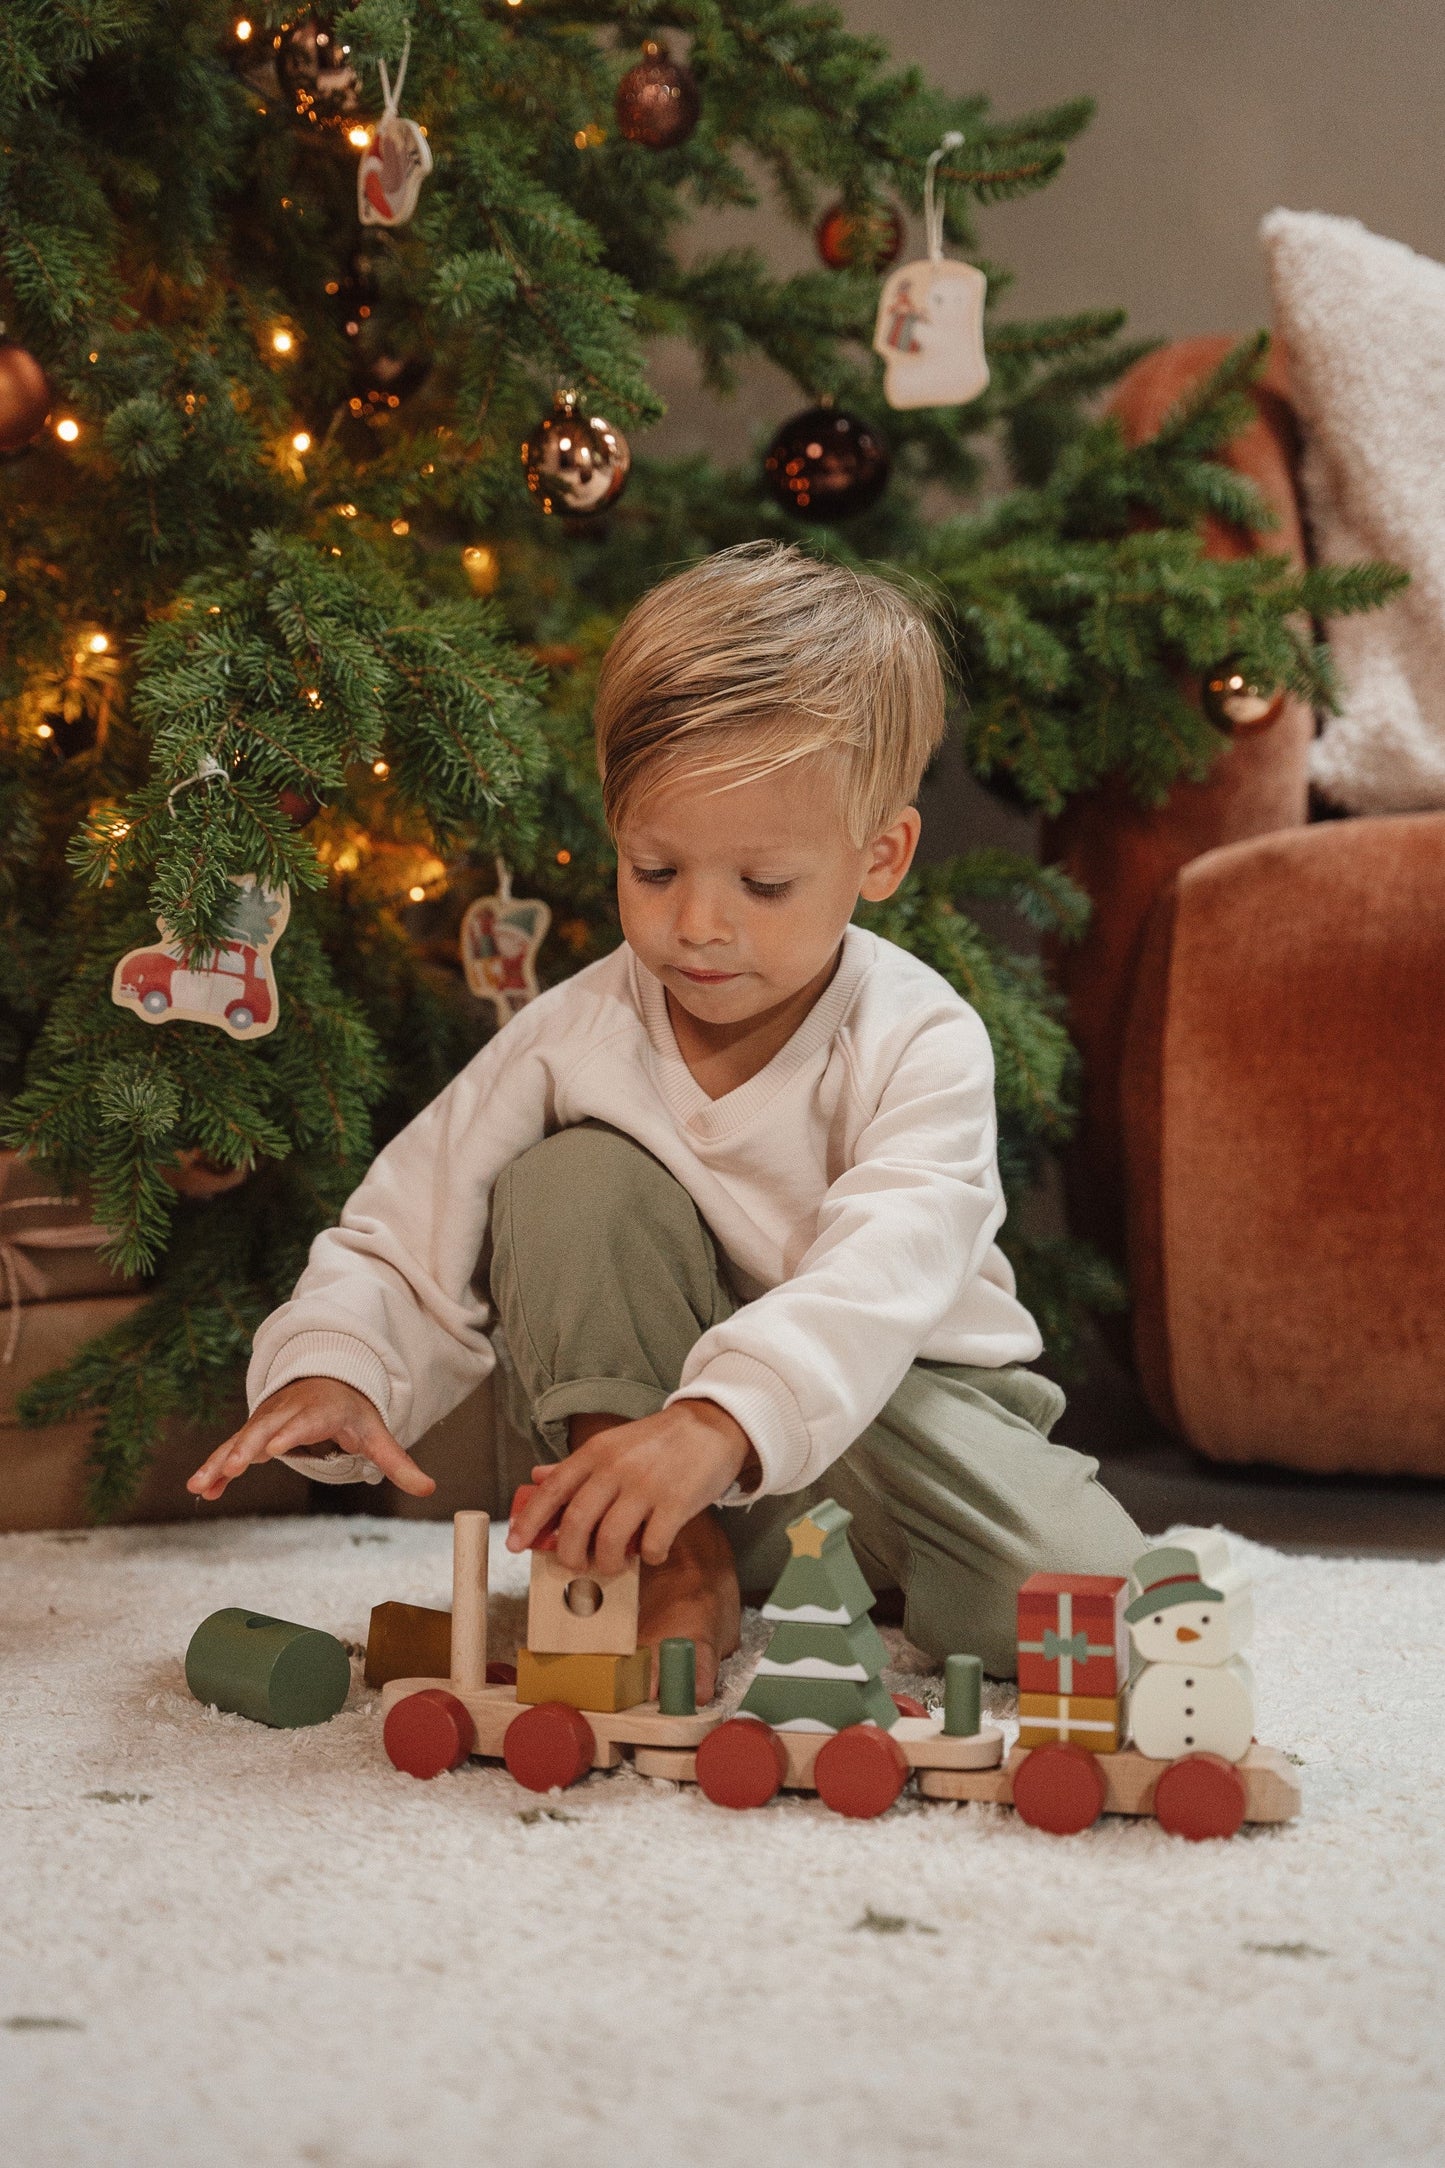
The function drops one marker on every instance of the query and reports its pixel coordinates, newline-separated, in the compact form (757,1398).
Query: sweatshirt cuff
(326,1355)
(760,1403)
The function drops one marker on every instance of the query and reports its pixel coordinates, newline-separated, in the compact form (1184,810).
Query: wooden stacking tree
(821,1668)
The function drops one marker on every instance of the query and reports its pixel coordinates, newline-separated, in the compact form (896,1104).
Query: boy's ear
(890,855)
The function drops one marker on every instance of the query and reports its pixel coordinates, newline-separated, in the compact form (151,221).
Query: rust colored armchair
(1260,1004)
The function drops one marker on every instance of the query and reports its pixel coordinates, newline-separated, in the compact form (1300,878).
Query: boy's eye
(767,891)
(653,876)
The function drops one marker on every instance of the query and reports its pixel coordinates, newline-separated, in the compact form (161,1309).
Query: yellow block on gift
(1093,1722)
(604,1683)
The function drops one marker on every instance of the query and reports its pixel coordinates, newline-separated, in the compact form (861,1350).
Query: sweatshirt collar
(705,1117)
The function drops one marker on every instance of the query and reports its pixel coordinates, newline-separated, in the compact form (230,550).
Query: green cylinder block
(267,1669)
(677,1678)
(962,1697)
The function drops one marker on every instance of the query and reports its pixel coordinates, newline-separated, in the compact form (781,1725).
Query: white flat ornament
(500,937)
(930,334)
(234,987)
(393,166)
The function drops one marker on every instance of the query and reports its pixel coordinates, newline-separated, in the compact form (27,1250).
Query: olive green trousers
(604,1276)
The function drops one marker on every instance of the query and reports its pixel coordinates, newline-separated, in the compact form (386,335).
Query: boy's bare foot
(694,1597)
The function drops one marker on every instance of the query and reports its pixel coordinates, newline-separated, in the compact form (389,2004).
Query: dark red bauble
(298,805)
(25,397)
(826,464)
(866,240)
(657,101)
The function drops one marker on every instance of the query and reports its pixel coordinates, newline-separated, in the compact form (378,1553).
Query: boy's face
(738,898)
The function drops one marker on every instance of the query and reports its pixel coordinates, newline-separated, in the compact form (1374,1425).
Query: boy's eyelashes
(765,891)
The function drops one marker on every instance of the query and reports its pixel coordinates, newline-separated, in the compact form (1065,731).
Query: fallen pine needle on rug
(225,1944)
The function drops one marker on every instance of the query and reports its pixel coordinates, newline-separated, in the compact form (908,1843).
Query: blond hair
(761,656)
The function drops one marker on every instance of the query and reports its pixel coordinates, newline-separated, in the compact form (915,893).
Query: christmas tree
(821,1668)
(284,599)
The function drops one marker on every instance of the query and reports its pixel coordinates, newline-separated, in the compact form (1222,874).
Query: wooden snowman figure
(1190,1619)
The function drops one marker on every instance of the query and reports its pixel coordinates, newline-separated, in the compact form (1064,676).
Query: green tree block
(267,1669)
(962,1696)
(677,1678)
(833,1703)
(822,1577)
(859,1644)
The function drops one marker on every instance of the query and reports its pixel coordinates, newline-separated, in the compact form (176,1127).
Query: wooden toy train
(817,1717)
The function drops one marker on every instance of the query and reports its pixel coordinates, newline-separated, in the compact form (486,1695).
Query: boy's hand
(647,1479)
(311,1411)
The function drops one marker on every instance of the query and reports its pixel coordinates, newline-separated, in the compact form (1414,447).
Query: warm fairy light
(43,730)
(282,340)
(67,430)
(347,511)
(92,357)
(243,30)
(564,858)
(417,894)
(401,526)
(313,696)
(580,139)
(121,828)
(97,643)
(301,442)
(381,767)
(360,137)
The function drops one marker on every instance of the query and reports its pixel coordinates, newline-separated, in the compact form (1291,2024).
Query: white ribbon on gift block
(1066,1646)
(20,1275)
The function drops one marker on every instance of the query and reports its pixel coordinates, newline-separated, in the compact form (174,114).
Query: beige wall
(1210,112)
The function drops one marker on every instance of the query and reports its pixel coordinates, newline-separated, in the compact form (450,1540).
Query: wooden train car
(432,1724)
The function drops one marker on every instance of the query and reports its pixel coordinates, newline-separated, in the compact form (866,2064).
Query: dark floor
(1161,1480)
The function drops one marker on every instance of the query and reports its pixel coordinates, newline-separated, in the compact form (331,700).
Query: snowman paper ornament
(929,330)
(395,162)
(233,986)
(500,937)
(1192,1615)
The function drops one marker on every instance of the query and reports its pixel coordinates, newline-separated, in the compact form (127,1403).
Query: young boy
(734,1189)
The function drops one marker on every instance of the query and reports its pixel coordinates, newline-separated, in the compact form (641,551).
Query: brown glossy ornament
(657,101)
(313,71)
(1234,704)
(827,464)
(866,240)
(195,1174)
(575,462)
(25,397)
(298,805)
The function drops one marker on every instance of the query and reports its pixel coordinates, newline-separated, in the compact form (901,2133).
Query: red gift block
(1072,1635)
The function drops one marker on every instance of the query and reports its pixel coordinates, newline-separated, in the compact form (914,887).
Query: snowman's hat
(1169,1576)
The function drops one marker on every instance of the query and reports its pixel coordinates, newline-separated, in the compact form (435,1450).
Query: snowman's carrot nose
(1185,1633)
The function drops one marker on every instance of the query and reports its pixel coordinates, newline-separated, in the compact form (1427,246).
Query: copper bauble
(866,240)
(1233,703)
(25,397)
(657,101)
(827,464)
(313,71)
(193,1173)
(575,462)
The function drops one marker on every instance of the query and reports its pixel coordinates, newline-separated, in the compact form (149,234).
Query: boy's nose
(1185,1633)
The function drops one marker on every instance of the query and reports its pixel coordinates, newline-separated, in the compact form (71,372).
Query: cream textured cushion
(1363,320)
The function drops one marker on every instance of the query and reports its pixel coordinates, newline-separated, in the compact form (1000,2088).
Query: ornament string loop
(391,98)
(932,209)
(208,770)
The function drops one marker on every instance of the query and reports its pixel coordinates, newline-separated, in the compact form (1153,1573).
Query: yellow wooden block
(607,1683)
(1078,1719)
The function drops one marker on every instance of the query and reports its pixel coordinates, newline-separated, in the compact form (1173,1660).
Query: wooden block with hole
(588,1680)
(577,1614)
(407,1641)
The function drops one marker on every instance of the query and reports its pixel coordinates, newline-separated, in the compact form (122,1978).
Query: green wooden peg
(677,1678)
(962,1697)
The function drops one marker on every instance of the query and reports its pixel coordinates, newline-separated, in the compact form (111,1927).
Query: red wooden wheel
(742,1763)
(549,1744)
(860,1771)
(428,1732)
(1059,1788)
(909,1705)
(1201,1796)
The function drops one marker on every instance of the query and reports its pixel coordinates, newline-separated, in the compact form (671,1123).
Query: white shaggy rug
(222,1944)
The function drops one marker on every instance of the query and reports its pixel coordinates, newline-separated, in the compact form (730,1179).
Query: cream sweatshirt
(852,1187)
